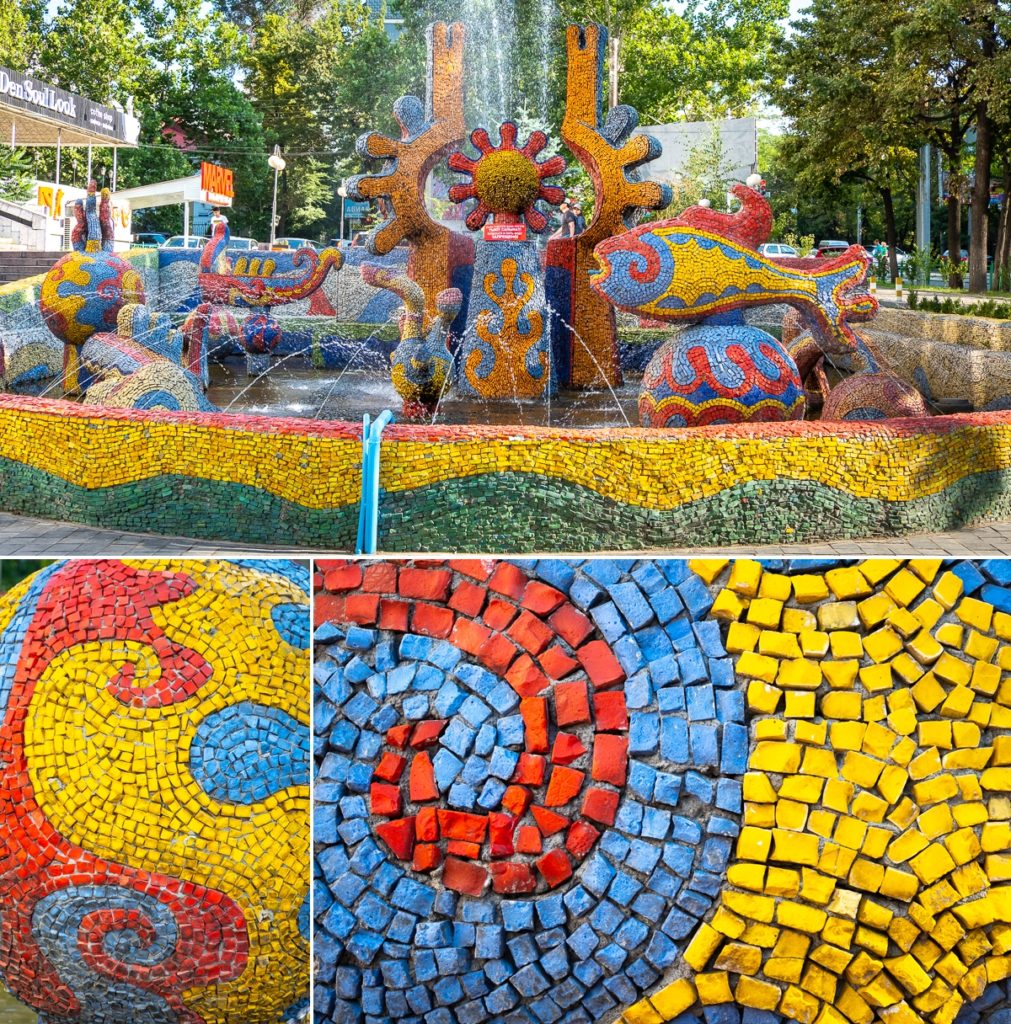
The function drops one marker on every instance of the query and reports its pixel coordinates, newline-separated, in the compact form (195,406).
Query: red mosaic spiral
(566,784)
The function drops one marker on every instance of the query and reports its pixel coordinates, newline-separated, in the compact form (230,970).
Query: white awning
(167,193)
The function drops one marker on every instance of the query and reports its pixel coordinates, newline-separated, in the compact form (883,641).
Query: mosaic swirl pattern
(813,825)
(574,788)
(153,798)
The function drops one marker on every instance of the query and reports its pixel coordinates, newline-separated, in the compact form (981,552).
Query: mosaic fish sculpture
(656,790)
(704,263)
(422,363)
(154,802)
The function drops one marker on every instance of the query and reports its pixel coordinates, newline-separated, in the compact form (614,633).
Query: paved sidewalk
(24,537)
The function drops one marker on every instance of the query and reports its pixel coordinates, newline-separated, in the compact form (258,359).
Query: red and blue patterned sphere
(260,334)
(727,374)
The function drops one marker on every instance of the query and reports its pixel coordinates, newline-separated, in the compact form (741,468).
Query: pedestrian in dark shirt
(567,229)
(580,221)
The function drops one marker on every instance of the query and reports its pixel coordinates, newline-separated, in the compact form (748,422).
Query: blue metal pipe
(375,438)
(362,512)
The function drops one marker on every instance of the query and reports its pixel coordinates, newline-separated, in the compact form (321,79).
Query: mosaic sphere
(154,792)
(84,292)
(873,396)
(261,334)
(708,375)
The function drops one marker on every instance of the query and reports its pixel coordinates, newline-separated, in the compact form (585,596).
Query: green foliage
(14,570)
(16,182)
(949,268)
(20,33)
(706,175)
(804,244)
(919,266)
(988,308)
(711,60)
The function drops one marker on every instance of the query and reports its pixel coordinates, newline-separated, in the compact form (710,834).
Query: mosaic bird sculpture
(421,364)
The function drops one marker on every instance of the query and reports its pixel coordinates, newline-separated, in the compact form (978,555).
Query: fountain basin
(256,479)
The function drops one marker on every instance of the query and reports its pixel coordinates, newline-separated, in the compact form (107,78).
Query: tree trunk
(954,229)
(891,235)
(1002,253)
(979,211)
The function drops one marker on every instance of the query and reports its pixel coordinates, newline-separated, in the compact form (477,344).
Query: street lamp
(275,161)
(343,193)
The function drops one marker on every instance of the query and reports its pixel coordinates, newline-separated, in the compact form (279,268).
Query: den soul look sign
(23,92)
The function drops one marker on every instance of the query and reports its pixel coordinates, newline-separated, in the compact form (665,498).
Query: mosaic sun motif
(154,794)
(656,790)
(507,180)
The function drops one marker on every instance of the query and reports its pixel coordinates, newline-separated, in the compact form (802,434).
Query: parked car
(295,243)
(149,239)
(777,249)
(184,242)
(963,257)
(243,243)
(829,247)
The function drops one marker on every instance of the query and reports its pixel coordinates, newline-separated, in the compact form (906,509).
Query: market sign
(22,92)
(217,185)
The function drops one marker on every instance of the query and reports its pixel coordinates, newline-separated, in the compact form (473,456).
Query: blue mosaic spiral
(395,947)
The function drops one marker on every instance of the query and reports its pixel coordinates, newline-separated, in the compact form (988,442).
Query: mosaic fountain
(514,388)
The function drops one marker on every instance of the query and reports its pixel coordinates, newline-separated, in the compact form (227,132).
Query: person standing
(579,221)
(567,229)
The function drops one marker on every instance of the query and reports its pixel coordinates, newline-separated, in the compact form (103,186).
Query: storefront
(197,194)
(34,114)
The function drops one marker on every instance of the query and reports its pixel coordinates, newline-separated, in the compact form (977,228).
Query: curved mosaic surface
(247,478)
(153,792)
(656,790)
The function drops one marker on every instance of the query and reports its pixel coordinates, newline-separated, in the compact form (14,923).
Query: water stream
(348,394)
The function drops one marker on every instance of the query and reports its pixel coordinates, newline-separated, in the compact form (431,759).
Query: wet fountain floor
(333,395)
(13,1012)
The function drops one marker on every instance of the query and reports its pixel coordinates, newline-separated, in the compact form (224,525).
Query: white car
(242,243)
(184,242)
(777,249)
(295,243)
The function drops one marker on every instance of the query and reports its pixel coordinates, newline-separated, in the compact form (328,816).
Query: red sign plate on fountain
(505,232)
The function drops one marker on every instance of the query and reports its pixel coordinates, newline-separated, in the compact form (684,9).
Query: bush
(989,308)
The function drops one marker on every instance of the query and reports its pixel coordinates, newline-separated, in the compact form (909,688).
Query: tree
(711,61)
(836,69)
(92,47)
(318,87)
(705,175)
(21,33)
(945,59)
(15,175)
(866,84)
